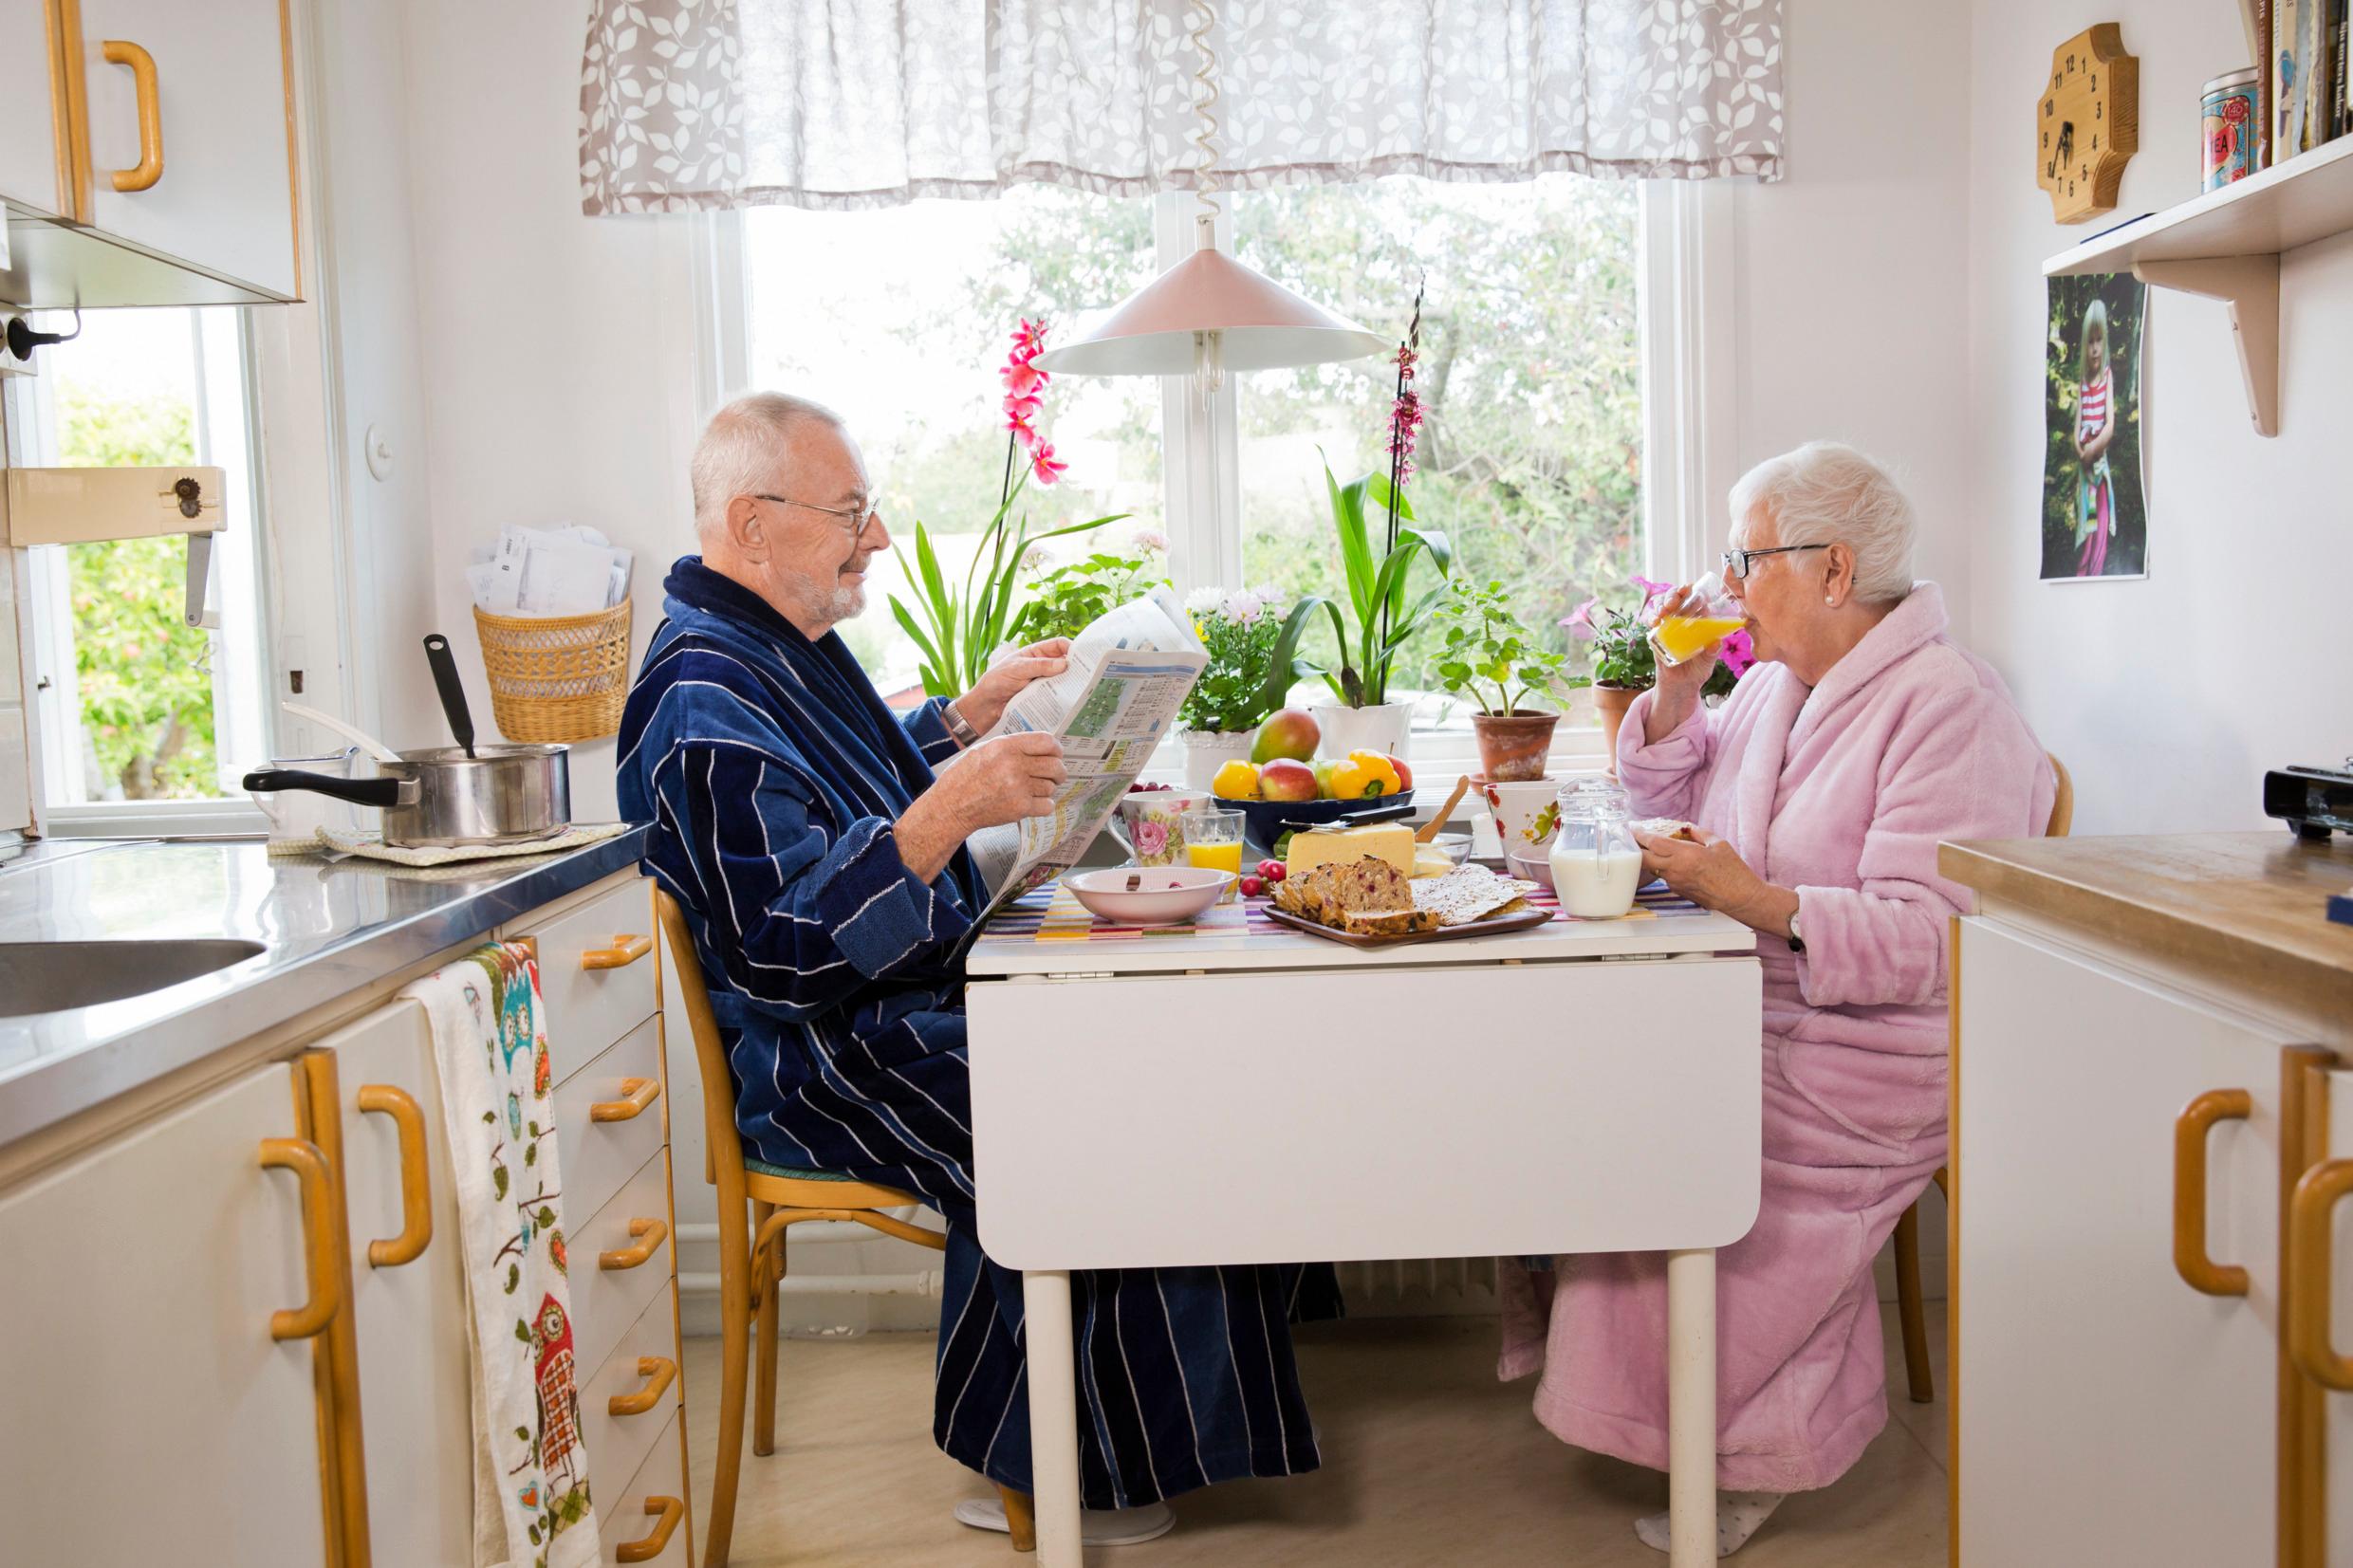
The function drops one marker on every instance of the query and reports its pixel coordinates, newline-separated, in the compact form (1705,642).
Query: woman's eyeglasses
(1737,562)
(857,518)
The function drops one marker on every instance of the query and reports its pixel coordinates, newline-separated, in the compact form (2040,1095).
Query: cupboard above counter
(153,161)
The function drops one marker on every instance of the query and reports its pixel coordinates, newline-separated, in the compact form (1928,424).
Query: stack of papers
(566,570)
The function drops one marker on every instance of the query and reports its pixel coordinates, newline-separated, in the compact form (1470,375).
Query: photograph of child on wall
(2095,514)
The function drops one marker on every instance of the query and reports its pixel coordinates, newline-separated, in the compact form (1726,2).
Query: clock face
(2086,123)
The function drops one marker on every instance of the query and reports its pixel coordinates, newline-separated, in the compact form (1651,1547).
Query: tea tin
(2233,131)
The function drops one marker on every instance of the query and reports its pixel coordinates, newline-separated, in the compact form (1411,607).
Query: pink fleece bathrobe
(1841,791)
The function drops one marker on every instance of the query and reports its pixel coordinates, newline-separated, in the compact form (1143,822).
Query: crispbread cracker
(1468,893)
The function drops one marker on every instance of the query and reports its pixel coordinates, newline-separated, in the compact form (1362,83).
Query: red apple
(1288,733)
(1405,774)
(1286,779)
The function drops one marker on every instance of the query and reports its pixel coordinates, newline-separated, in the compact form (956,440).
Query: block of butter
(1390,841)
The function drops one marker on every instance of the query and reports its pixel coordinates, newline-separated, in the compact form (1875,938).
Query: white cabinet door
(2108,1412)
(27,131)
(410,1317)
(224,202)
(151,1417)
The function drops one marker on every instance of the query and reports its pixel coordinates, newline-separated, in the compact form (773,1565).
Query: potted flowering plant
(1624,664)
(1491,657)
(1252,649)
(1064,601)
(958,630)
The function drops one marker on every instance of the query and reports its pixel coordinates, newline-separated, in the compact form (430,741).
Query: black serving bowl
(1266,822)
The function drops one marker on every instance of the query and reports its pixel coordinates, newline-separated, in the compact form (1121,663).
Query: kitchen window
(139,720)
(1567,327)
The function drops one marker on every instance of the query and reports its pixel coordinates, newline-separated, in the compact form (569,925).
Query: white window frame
(1690,435)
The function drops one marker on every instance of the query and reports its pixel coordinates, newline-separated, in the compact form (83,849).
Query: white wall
(2166,698)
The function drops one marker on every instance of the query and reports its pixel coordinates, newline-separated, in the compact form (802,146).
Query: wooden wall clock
(2088,124)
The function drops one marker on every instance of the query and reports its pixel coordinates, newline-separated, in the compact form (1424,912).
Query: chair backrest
(2062,804)
(723,1146)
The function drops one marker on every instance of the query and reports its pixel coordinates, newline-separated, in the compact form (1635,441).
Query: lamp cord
(1205,100)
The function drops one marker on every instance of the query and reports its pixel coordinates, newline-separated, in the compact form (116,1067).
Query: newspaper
(1129,672)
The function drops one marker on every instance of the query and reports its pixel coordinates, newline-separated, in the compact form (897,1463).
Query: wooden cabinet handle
(659,1373)
(149,169)
(2310,1294)
(665,1512)
(302,1156)
(635,1094)
(408,1121)
(624,951)
(650,1234)
(2198,1271)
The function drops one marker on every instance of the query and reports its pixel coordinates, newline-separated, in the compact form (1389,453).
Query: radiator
(1419,1287)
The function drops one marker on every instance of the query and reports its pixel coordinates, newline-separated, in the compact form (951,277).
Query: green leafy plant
(1378,588)
(1489,649)
(1252,656)
(1067,600)
(960,628)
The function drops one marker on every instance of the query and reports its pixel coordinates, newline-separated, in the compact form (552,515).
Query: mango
(1288,733)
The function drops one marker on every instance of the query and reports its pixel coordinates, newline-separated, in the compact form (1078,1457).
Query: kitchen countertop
(2248,910)
(327,927)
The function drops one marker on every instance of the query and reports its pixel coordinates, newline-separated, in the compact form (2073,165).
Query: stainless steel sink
(46,977)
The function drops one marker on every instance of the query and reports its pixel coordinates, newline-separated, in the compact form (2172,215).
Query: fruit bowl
(1149,896)
(1266,821)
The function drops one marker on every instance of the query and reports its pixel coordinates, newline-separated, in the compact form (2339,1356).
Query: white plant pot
(1384,727)
(1207,751)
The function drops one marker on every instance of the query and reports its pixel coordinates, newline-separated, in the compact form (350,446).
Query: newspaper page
(1129,672)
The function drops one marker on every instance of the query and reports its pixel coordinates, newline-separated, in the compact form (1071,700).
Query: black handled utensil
(453,691)
(382,793)
(1359,818)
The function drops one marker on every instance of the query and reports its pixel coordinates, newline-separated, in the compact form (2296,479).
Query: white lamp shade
(1262,325)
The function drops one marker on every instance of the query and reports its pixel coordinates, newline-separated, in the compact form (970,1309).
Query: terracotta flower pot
(1611,703)
(1513,745)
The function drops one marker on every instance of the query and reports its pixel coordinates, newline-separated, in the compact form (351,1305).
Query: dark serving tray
(1525,920)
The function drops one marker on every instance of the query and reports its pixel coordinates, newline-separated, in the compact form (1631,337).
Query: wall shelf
(2226,245)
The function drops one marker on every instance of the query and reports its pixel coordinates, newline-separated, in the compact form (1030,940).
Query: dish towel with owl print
(530,1474)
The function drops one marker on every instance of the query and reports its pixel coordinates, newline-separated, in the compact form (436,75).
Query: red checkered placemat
(1052,914)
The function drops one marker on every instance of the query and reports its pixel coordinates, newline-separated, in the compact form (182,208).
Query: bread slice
(1388,922)
(1335,894)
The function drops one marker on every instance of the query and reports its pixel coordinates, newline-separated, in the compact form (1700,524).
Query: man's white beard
(844,602)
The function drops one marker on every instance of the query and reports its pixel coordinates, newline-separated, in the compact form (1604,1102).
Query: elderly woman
(1819,792)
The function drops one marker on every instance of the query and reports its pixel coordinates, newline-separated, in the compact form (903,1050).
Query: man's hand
(1712,874)
(997,781)
(985,702)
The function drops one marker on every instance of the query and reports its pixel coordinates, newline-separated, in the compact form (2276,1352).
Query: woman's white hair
(744,446)
(1829,493)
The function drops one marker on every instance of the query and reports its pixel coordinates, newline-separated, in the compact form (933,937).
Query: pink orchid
(1043,464)
(1030,339)
(1579,621)
(1022,379)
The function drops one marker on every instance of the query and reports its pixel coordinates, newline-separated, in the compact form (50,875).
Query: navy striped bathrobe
(772,772)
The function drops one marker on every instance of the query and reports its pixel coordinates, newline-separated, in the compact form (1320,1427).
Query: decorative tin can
(2234,136)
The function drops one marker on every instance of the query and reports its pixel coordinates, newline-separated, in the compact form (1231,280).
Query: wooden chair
(752,1253)
(1908,1229)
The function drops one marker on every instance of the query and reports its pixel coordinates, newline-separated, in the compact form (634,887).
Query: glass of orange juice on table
(1707,616)
(1214,842)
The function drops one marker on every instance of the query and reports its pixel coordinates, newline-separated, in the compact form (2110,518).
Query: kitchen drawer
(606,1301)
(590,1008)
(618,1444)
(600,1155)
(626,1519)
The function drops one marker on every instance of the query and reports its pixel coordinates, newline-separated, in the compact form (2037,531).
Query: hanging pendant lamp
(1209,313)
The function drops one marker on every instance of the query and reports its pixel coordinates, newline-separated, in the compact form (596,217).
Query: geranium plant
(1622,656)
(1252,646)
(1065,599)
(1490,655)
(958,629)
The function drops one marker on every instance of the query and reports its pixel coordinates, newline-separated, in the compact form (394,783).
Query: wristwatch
(959,729)
(1797,942)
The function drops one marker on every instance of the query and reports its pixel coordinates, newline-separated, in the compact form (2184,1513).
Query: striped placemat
(1053,913)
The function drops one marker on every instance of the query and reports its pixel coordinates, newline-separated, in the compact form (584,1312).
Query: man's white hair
(743,447)
(1829,493)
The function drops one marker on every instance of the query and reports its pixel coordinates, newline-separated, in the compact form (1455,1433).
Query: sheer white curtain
(844,103)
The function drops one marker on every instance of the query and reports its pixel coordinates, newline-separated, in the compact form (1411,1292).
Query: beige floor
(1427,1461)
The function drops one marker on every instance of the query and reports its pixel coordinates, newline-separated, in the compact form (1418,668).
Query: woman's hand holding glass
(1679,684)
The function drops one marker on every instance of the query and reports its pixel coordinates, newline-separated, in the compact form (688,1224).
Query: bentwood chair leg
(736,1348)
(1020,1519)
(768,1279)
(1908,1306)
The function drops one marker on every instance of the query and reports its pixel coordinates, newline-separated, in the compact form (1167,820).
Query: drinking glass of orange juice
(1708,616)
(1214,842)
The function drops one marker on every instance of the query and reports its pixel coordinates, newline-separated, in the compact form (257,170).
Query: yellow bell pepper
(1365,775)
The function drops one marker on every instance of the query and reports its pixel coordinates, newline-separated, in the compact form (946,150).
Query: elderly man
(816,841)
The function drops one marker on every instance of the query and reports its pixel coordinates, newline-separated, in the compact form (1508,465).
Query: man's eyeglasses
(857,518)
(1737,562)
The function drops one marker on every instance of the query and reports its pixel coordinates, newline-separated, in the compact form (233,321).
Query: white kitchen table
(1259,1096)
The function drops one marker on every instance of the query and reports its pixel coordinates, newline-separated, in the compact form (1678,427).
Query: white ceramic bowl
(1163,895)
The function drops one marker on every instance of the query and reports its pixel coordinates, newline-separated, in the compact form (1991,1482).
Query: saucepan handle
(382,793)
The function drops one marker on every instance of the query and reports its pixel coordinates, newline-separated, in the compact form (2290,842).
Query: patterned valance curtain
(846,104)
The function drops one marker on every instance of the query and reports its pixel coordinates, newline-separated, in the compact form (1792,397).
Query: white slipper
(1097,1527)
